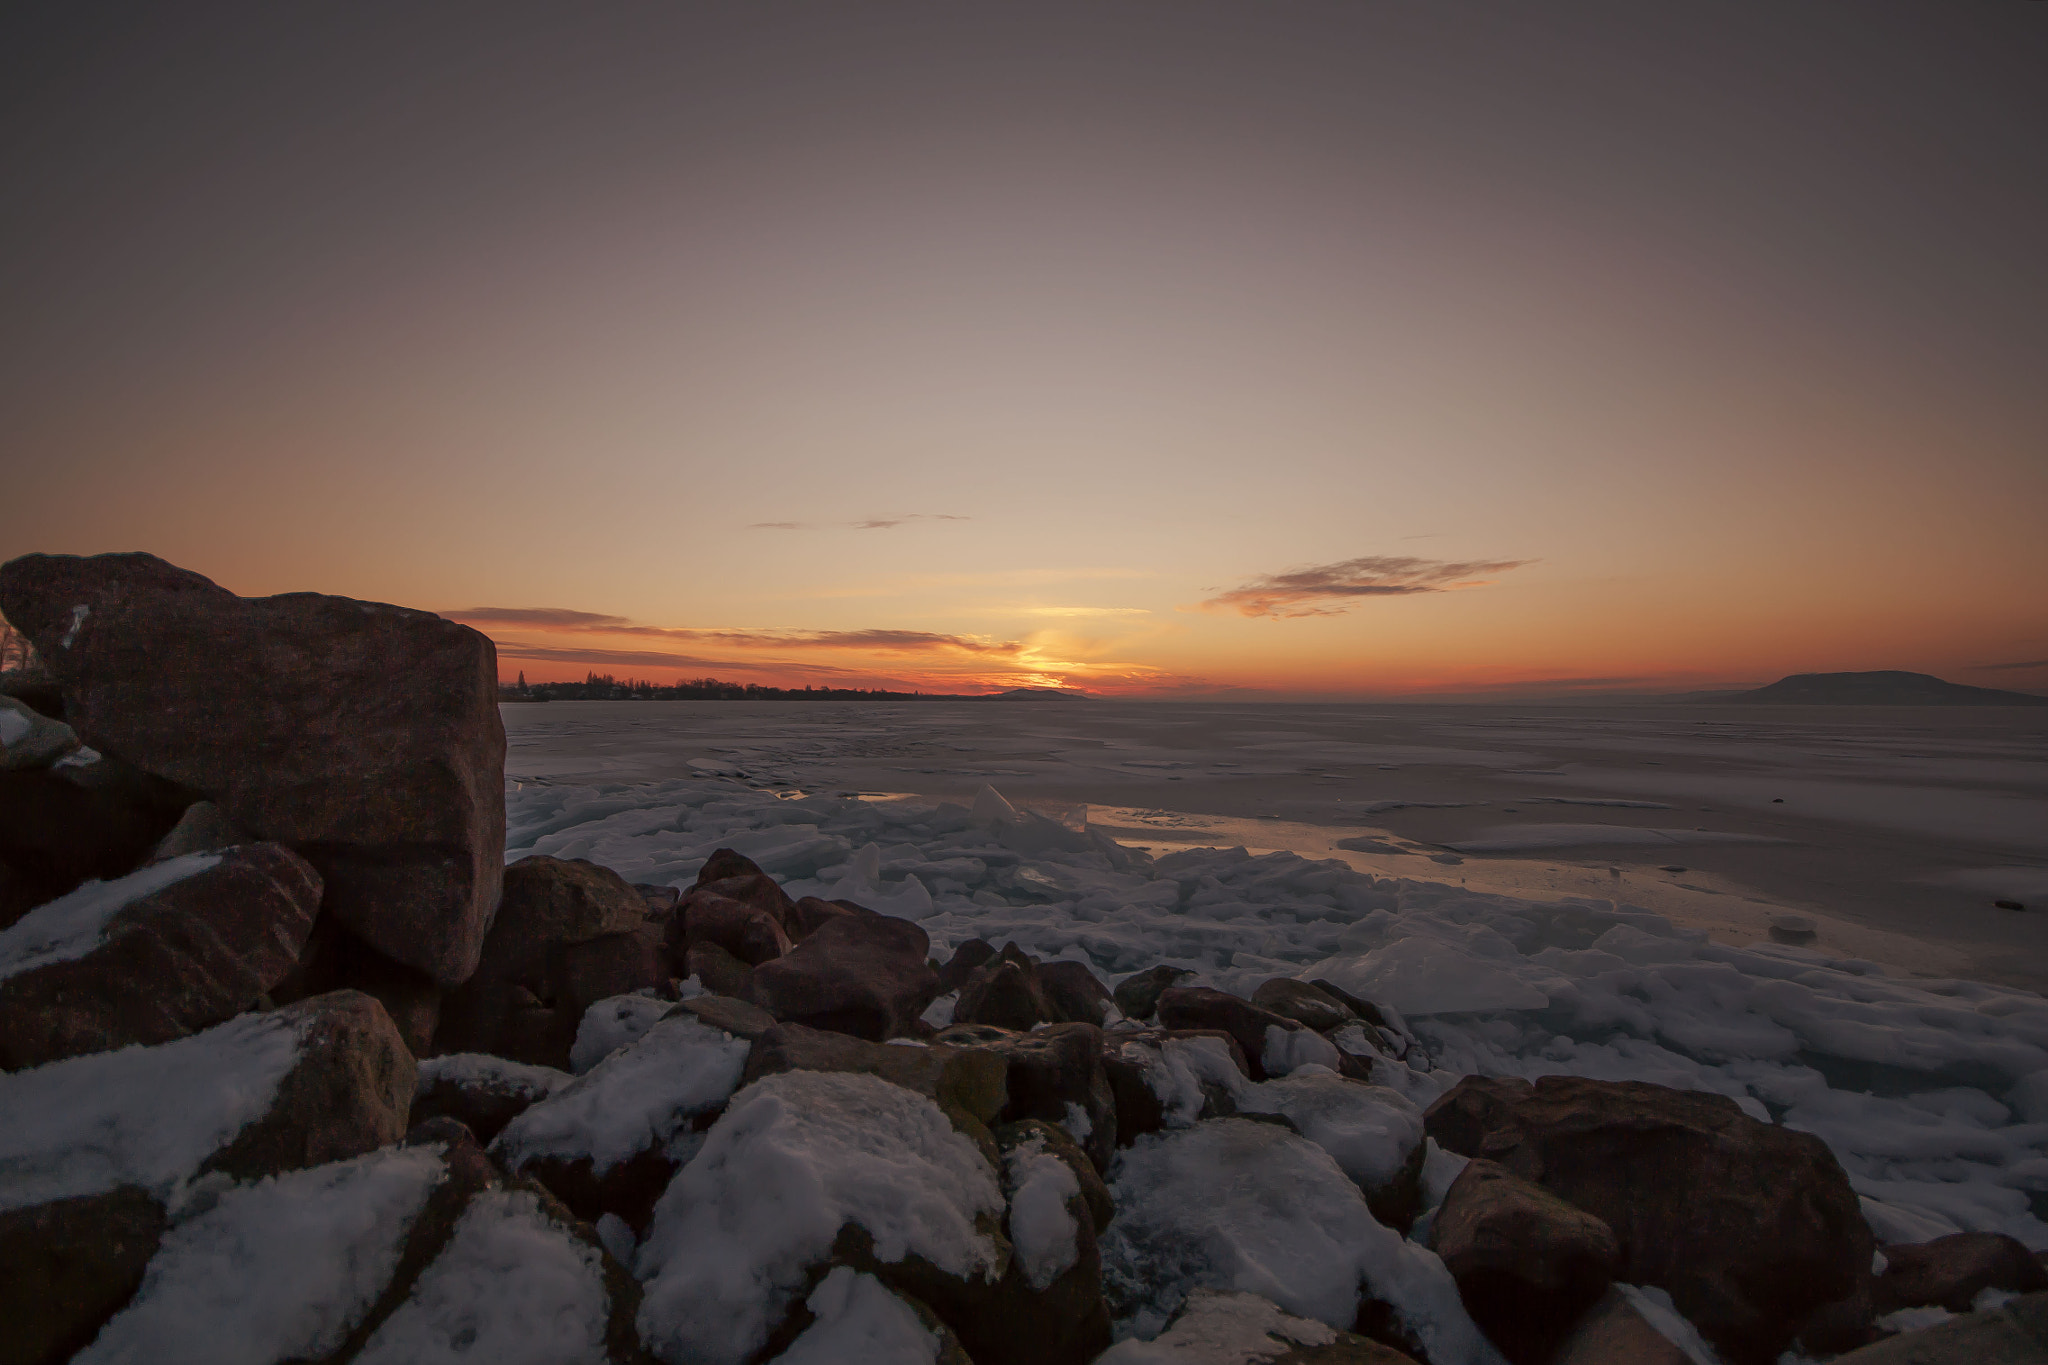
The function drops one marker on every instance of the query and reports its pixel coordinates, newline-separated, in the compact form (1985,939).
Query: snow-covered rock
(1219,1327)
(794,1159)
(1374,1134)
(1239,1205)
(608,1141)
(482,1092)
(174,947)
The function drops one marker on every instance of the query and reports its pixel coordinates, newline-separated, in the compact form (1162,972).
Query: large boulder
(748,932)
(866,975)
(1528,1264)
(1306,1004)
(1137,995)
(568,934)
(365,736)
(156,955)
(1752,1228)
(56,833)
(1074,993)
(1614,1332)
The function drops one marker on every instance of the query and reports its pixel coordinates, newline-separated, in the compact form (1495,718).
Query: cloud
(2012,667)
(1328,589)
(1087,611)
(552,618)
(645,658)
(562,621)
(866,524)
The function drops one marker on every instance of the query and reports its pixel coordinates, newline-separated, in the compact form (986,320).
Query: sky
(1175,349)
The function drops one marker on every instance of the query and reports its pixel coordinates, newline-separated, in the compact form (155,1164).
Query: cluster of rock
(295,1071)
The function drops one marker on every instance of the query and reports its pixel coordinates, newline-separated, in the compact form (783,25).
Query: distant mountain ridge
(1885,687)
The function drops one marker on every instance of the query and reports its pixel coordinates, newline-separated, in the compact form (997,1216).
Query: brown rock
(860,974)
(1199,1007)
(366,736)
(1951,1271)
(1073,994)
(18,896)
(1527,1263)
(962,1081)
(1364,1009)
(1064,1320)
(1137,995)
(348,1091)
(1138,1107)
(336,960)
(568,934)
(203,828)
(1612,1332)
(718,971)
(810,912)
(168,963)
(1310,1006)
(736,1017)
(69,1265)
(1056,1074)
(1004,992)
(1752,1228)
(2015,1333)
(966,959)
(749,933)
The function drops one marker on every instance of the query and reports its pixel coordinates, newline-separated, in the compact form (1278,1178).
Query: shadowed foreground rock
(1527,1263)
(2015,1334)
(364,736)
(1752,1228)
(189,954)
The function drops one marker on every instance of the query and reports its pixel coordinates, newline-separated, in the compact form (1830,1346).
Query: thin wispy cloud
(867,524)
(548,618)
(1087,611)
(1332,589)
(562,621)
(2011,667)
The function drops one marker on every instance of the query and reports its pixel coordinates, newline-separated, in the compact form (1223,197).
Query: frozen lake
(1894,829)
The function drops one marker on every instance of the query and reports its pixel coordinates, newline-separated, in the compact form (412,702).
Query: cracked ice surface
(1933,1093)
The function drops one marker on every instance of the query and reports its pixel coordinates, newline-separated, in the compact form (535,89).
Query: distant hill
(1032,693)
(1883,688)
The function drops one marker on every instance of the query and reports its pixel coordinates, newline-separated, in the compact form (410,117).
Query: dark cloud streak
(866,524)
(1330,589)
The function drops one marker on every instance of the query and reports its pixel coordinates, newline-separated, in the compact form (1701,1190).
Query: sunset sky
(1186,349)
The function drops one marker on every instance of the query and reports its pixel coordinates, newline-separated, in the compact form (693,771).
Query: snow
(14,722)
(1234,1204)
(512,1287)
(860,1320)
(493,1073)
(1288,1049)
(1223,1329)
(1042,1230)
(74,924)
(1369,1130)
(1487,983)
(147,1116)
(794,1158)
(635,1100)
(611,1024)
(292,1261)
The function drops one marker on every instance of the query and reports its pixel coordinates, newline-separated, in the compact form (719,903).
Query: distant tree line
(605,687)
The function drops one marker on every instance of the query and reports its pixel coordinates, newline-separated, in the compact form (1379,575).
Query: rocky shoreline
(296,1069)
